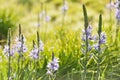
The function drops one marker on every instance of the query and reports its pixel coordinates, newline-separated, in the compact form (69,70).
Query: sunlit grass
(64,41)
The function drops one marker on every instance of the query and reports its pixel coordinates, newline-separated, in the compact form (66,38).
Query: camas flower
(19,46)
(118,14)
(47,18)
(65,7)
(53,66)
(34,53)
(87,33)
(96,46)
(116,6)
(6,51)
(102,38)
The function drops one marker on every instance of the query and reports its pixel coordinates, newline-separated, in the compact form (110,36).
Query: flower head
(118,15)
(6,51)
(47,18)
(53,66)
(34,53)
(20,46)
(102,38)
(65,7)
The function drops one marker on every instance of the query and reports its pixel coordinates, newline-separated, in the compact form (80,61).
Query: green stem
(86,42)
(99,46)
(9,43)
(18,65)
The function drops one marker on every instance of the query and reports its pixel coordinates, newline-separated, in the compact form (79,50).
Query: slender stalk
(38,40)
(86,42)
(22,49)
(19,38)
(99,45)
(9,43)
(34,60)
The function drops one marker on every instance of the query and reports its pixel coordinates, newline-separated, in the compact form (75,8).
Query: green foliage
(64,41)
(8,19)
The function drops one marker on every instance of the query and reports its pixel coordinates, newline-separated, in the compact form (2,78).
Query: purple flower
(34,53)
(47,18)
(96,46)
(118,15)
(53,66)
(87,33)
(102,38)
(65,7)
(6,51)
(89,30)
(19,46)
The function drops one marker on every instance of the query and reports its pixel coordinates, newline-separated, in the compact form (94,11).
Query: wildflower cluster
(20,46)
(87,33)
(116,6)
(35,51)
(92,38)
(44,14)
(64,7)
(102,40)
(6,51)
(53,66)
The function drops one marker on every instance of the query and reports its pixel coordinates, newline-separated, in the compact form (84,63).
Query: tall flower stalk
(8,51)
(9,43)
(99,45)
(86,40)
(52,67)
(38,41)
(20,48)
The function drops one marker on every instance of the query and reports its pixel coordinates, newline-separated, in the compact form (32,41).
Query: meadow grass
(62,35)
